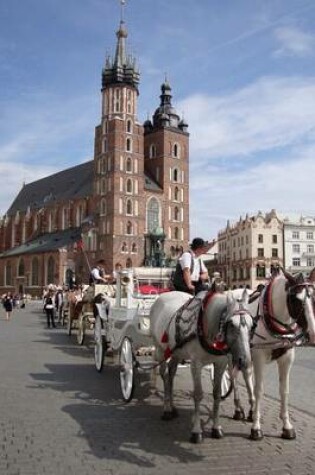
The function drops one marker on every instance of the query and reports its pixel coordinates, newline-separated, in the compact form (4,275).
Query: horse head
(300,302)
(238,328)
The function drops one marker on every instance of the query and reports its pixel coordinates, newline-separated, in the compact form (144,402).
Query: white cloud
(293,41)
(268,114)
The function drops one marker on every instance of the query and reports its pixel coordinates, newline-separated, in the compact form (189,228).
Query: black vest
(178,277)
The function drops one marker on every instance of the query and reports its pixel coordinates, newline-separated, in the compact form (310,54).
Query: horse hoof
(256,434)
(288,434)
(217,433)
(250,416)
(239,415)
(169,415)
(196,438)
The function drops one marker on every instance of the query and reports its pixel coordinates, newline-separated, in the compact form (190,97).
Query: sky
(242,74)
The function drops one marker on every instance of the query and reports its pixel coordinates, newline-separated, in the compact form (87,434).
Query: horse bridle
(291,294)
(242,311)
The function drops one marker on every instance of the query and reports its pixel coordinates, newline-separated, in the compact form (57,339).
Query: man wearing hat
(191,273)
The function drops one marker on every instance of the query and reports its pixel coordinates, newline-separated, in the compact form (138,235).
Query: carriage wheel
(100,344)
(69,323)
(226,385)
(127,370)
(81,328)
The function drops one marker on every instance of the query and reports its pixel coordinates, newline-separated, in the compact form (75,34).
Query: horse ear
(291,280)
(245,297)
(230,299)
(312,275)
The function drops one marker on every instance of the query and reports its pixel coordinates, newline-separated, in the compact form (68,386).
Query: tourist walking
(49,308)
(8,305)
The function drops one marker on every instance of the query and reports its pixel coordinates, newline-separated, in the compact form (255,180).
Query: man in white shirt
(98,275)
(191,273)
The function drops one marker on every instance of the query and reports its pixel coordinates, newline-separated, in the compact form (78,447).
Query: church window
(129,185)
(129,228)
(153,214)
(50,270)
(65,217)
(128,165)
(175,175)
(104,146)
(129,126)
(103,207)
(134,247)
(35,272)
(152,151)
(176,151)
(21,268)
(176,214)
(8,274)
(129,207)
(128,145)
(50,224)
(176,194)
(124,247)
(176,233)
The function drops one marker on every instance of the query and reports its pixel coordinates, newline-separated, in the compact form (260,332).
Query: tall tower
(166,152)
(118,158)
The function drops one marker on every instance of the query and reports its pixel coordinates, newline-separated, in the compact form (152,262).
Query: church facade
(129,205)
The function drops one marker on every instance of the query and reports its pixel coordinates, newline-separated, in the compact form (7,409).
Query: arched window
(21,268)
(51,270)
(103,207)
(129,126)
(152,151)
(176,194)
(129,227)
(65,217)
(117,100)
(134,247)
(129,185)
(8,274)
(176,233)
(128,263)
(129,207)
(50,223)
(175,175)
(128,165)
(124,247)
(128,145)
(153,214)
(35,271)
(176,214)
(176,151)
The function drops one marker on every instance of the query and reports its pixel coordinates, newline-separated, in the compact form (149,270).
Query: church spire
(122,68)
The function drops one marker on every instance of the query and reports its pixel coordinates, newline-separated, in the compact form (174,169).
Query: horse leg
(167,373)
(284,367)
(219,368)
(196,433)
(239,413)
(248,378)
(259,364)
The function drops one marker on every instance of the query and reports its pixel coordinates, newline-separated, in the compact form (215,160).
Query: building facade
(299,244)
(129,205)
(249,249)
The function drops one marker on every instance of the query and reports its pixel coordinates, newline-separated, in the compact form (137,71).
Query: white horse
(285,319)
(198,349)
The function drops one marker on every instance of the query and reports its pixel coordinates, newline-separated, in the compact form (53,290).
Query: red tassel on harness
(164,338)
(167,353)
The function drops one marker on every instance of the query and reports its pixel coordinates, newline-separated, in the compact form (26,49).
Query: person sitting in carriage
(191,274)
(98,275)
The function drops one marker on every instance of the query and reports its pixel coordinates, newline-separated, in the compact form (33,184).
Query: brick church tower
(141,182)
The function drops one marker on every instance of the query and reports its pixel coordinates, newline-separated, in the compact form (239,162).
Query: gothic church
(129,205)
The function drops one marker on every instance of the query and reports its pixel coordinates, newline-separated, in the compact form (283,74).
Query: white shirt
(96,273)
(199,267)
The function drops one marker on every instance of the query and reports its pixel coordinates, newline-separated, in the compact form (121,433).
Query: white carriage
(122,325)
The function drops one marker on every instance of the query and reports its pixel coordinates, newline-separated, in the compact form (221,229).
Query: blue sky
(241,71)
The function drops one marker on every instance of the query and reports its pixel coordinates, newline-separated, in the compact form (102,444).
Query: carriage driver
(98,275)
(191,273)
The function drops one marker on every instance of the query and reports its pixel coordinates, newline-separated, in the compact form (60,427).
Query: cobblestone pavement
(59,416)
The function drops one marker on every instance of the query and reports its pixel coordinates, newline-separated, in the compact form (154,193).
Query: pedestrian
(191,274)
(8,305)
(98,274)
(49,308)
(59,303)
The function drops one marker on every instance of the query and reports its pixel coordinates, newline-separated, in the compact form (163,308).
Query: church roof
(72,183)
(46,243)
